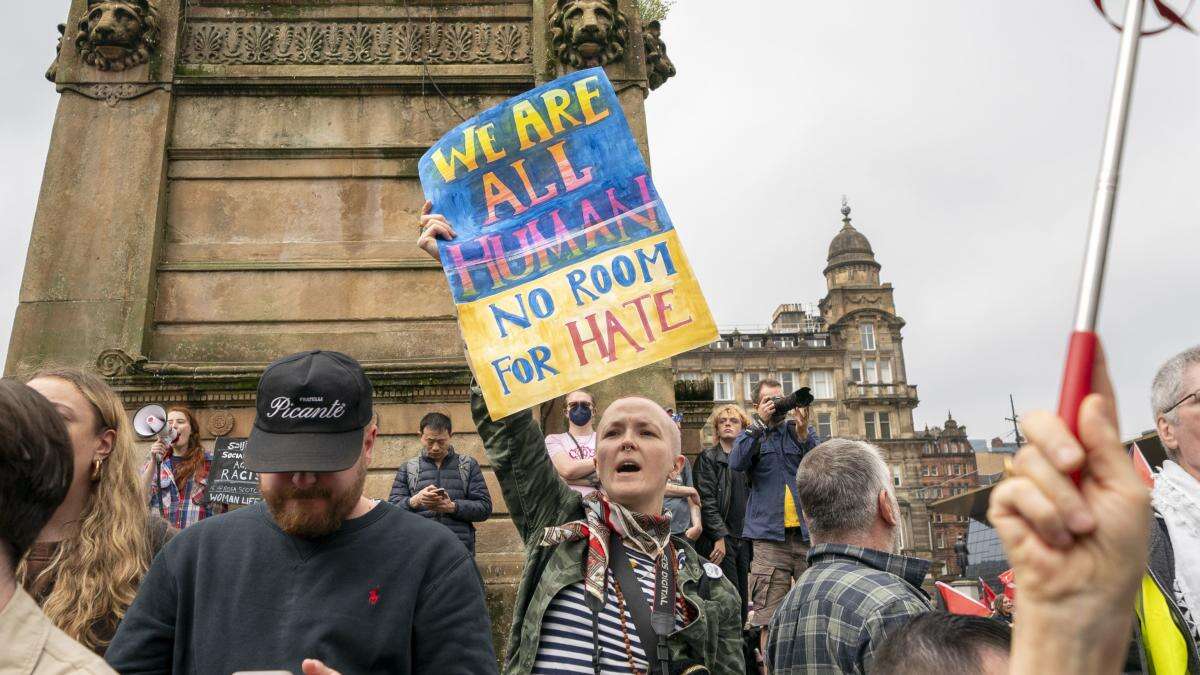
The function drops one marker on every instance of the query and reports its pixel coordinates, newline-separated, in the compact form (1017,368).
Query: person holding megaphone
(176,475)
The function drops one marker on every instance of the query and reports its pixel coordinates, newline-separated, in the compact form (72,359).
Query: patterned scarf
(1176,497)
(648,534)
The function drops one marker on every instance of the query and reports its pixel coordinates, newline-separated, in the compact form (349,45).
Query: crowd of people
(777,552)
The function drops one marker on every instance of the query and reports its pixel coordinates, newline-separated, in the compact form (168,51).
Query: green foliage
(654,10)
(694,390)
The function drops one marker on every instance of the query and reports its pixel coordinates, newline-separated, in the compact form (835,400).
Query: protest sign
(229,481)
(566,268)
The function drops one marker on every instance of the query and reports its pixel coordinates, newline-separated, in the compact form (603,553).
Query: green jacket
(538,498)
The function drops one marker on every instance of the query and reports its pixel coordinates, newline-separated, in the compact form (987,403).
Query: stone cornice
(141,381)
(383,40)
(292,265)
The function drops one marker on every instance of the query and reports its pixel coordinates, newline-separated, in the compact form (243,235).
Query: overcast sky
(965,134)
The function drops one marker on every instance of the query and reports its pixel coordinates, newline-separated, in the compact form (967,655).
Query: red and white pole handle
(1077,378)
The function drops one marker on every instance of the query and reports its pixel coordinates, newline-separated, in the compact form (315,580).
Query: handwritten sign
(566,269)
(229,481)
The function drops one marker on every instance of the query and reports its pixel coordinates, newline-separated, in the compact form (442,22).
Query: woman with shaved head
(606,588)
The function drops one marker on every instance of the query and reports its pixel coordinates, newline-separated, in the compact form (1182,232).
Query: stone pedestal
(244,185)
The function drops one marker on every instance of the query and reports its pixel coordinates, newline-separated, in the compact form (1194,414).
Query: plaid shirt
(165,498)
(842,607)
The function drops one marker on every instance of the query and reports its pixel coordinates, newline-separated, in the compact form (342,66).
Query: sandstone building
(948,468)
(848,350)
(230,181)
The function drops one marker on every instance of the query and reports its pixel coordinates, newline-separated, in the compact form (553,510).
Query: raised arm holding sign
(566,271)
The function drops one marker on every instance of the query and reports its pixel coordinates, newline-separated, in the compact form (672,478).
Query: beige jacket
(34,646)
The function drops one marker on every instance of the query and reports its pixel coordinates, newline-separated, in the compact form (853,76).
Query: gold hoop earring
(96,469)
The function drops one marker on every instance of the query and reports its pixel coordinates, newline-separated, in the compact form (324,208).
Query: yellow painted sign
(567,269)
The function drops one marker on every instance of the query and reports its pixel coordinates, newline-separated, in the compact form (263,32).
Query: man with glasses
(1168,607)
(442,484)
(573,453)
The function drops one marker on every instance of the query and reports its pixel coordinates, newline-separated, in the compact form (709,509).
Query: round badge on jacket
(713,570)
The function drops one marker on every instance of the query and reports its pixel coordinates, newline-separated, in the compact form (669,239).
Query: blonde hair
(98,567)
(726,408)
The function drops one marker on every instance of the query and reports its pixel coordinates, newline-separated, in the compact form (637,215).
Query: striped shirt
(566,641)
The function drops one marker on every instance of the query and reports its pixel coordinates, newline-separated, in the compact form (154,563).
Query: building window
(867,331)
(788,380)
(897,476)
(752,343)
(941,540)
(871,371)
(934,471)
(869,424)
(821,383)
(885,371)
(751,380)
(722,386)
(924,470)
(885,426)
(721,344)
(787,343)
(856,374)
(825,425)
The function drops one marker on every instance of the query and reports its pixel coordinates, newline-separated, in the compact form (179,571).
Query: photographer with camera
(769,453)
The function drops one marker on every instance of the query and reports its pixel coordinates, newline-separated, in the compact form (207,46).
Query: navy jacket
(770,463)
(473,499)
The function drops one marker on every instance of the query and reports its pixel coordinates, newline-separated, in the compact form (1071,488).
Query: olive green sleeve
(729,657)
(535,495)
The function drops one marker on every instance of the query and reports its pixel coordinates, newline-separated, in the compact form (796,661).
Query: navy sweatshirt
(390,592)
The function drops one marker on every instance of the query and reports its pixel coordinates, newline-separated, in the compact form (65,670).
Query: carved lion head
(117,34)
(658,65)
(52,71)
(588,33)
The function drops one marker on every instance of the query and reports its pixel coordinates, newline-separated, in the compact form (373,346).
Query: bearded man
(606,588)
(316,576)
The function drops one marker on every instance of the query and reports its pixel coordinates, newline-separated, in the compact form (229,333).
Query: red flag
(959,603)
(1010,586)
(1142,466)
(989,596)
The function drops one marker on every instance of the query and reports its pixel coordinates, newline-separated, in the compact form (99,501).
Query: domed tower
(876,401)
(851,260)
(852,278)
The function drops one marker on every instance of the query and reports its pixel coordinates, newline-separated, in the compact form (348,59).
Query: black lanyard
(653,623)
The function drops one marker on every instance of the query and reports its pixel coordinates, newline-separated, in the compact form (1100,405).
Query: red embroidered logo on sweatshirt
(373,596)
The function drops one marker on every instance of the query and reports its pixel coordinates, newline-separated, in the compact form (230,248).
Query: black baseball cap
(312,409)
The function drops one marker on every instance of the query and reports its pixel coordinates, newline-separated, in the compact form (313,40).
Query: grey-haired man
(855,590)
(1174,566)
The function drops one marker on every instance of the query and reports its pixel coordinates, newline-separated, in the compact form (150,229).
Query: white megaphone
(151,421)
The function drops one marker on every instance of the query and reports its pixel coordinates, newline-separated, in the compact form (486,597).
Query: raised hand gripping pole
(1077,378)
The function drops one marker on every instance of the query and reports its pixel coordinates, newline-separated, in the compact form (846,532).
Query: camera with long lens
(801,398)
